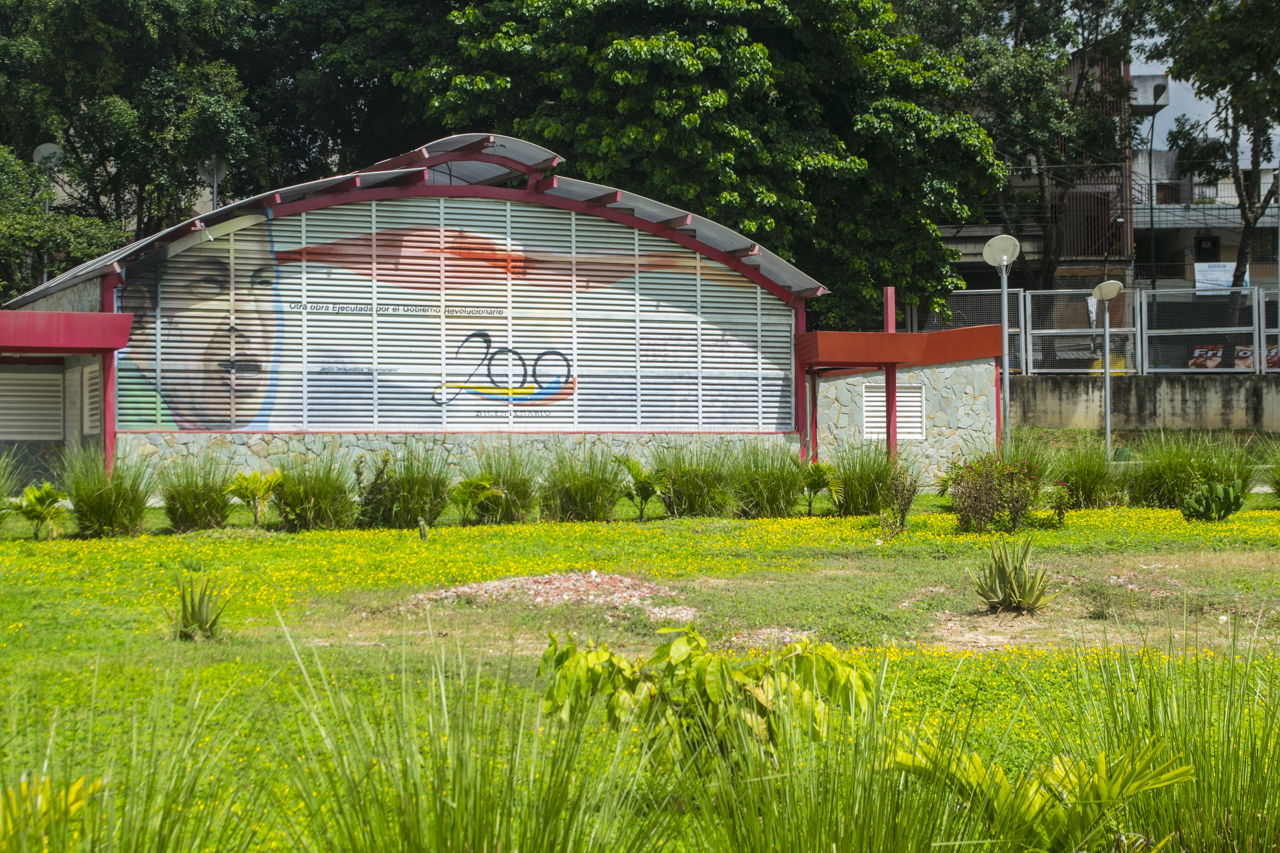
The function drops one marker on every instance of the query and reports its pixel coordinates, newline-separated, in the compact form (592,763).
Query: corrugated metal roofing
(462,159)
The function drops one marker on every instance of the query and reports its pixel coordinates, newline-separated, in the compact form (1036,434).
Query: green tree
(137,92)
(803,124)
(33,242)
(1047,88)
(1229,51)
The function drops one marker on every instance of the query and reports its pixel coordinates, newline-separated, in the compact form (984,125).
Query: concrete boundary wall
(1158,401)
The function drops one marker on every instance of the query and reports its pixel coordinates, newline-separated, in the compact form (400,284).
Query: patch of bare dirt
(920,595)
(614,593)
(771,637)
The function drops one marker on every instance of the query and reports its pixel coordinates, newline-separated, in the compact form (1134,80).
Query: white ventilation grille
(31,406)
(91,397)
(910,412)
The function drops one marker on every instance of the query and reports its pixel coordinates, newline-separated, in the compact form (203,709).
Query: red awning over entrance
(63,331)
(879,349)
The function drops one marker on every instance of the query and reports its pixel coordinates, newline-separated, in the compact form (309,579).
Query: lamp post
(48,155)
(1104,293)
(1000,252)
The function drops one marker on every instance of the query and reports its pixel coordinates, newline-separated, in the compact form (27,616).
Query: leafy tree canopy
(1229,50)
(1047,87)
(32,241)
(804,124)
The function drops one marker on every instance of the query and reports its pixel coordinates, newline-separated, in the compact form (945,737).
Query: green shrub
(765,480)
(42,506)
(904,486)
(254,489)
(1171,466)
(993,490)
(861,480)
(581,486)
(194,490)
(318,493)
(1006,583)
(511,474)
(696,480)
(198,611)
(1089,480)
(105,504)
(1212,502)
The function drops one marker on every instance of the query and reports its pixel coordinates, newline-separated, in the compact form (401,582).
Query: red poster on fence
(1206,356)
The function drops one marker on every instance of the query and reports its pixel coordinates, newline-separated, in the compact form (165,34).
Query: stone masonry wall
(85,296)
(960,412)
(264,451)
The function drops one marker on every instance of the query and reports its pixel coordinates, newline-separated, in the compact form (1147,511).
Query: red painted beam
(876,349)
(63,331)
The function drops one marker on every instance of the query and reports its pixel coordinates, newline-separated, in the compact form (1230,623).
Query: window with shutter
(910,412)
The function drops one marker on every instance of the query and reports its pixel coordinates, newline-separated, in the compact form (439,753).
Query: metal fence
(1152,331)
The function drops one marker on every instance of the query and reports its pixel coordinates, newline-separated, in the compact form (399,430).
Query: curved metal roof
(477,159)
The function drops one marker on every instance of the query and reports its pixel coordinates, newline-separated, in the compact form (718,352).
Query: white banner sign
(1216,276)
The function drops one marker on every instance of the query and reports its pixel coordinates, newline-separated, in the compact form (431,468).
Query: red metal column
(891,375)
(798,377)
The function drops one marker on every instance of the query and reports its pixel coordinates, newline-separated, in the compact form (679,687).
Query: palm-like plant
(1067,806)
(643,484)
(42,506)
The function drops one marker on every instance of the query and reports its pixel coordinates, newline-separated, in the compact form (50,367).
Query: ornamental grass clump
(1170,466)
(582,485)
(194,490)
(510,474)
(861,480)
(766,480)
(317,493)
(102,503)
(1086,476)
(413,489)
(696,479)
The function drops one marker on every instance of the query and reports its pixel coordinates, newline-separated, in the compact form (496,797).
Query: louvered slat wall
(31,406)
(414,314)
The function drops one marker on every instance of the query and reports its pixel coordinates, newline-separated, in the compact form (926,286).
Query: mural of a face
(215,321)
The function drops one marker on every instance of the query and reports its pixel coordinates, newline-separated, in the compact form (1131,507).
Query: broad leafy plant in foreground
(695,696)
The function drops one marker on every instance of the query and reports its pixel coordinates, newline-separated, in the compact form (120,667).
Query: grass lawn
(85,654)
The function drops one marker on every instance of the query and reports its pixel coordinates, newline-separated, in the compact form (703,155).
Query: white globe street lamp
(1104,293)
(1000,252)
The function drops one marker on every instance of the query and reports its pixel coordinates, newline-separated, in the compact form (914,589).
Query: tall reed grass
(317,493)
(460,766)
(194,491)
(582,485)
(696,479)
(1090,480)
(766,481)
(407,487)
(10,483)
(1171,465)
(512,474)
(105,504)
(861,480)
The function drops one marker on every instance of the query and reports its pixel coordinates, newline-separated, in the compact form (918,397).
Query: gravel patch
(611,592)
